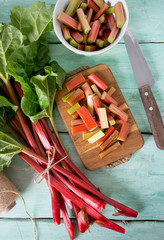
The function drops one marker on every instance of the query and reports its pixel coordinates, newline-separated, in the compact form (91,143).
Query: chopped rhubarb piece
(81,47)
(106,43)
(73,109)
(88,120)
(119,13)
(79,28)
(90,104)
(101,31)
(73,43)
(111,91)
(75,115)
(66,33)
(77,36)
(87,134)
(124,107)
(107,133)
(64,98)
(94,32)
(72,7)
(86,88)
(77,96)
(67,20)
(109,149)
(83,20)
(99,3)
(103,118)
(102,19)
(85,36)
(111,119)
(111,22)
(108,99)
(96,80)
(101,11)
(112,35)
(125,128)
(99,43)
(78,129)
(90,48)
(92,5)
(96,137)
(97,104)
(83,6)
(119,121)
(110,10)
(76,122)
(75,82)
(122,115)
(89,14)
(112,137)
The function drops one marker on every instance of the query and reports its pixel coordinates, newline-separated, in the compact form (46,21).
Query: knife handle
(153,115)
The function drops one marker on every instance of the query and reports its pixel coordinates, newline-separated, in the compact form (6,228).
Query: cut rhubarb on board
(67,20)
(78,129)
(111,91)
(96,80)
(73,109)
(101,11)
(77,96)
(109,150)
(76,122)
(96,90)
(125,128)
(87,134)
(105,97)
(96,136)
(94,32)
(103,118)
(124,107)
(75,115)
(112,137)
(119,13)
(97,104)
(90,104)
(87,118)
(86,88)
(72,7)
(107,133)
(64,98)
(122,115)
(111,119)
(75,82)
(83,20)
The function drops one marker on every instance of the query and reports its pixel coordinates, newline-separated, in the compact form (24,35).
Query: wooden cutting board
(89,153)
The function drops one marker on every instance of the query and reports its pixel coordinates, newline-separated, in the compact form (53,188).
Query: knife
(144,79)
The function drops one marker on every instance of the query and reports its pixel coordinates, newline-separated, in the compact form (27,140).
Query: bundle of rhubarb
(96,113)
(28,86)
(91,25)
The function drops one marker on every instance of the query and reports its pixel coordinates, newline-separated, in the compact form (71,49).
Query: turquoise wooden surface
(138,183)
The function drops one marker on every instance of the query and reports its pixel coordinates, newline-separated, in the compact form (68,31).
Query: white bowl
(61,6)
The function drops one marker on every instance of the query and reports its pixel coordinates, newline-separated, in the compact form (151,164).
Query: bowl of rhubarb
(90,27)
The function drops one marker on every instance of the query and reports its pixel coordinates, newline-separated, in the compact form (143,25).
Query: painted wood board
(89,153)
(18,229)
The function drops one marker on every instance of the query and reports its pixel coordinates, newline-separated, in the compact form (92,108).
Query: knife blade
(144,79)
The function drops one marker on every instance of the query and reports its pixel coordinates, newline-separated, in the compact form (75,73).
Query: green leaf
(5,103)
(8,149)
(33,21)
(10,40)
(61,74)
(2,117)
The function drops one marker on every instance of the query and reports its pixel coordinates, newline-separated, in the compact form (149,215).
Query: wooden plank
(143,14)
(137,183)
(22,229)
(89,153)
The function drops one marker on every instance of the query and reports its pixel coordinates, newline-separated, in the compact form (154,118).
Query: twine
(24,203)
(51,154)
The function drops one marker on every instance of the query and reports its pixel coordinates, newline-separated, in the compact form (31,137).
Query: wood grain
(89,153)
(154,115)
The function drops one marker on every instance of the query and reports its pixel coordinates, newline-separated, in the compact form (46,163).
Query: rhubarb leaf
(33,21)
(5,103)
(8,149)
(10,40)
